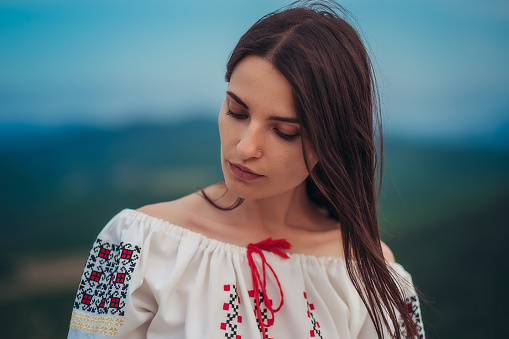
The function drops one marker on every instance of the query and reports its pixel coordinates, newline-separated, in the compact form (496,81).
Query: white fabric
(176,289)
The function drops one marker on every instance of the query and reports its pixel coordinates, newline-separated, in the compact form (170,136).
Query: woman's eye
(285,136)
(235,115)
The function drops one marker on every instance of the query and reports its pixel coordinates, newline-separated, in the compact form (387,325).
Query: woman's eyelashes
(284,136)
(236,115)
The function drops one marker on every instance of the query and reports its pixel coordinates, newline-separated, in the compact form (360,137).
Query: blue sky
(442,65)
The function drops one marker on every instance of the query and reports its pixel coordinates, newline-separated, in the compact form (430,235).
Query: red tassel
(259,284)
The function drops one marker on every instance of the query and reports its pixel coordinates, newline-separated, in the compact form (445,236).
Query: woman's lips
(244,173)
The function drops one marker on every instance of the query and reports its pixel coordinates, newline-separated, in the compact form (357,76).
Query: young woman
(288,245)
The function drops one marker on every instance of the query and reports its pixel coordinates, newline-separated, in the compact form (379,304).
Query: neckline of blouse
(215,243)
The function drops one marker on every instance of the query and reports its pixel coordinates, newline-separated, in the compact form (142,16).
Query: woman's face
(261,144)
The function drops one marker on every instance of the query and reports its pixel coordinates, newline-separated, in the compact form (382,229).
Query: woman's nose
(249,145)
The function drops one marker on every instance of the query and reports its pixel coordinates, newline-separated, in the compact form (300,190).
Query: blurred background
(106,105)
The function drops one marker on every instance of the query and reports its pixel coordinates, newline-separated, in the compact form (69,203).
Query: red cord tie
(273,246)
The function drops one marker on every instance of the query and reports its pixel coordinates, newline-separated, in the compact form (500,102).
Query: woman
(288,245)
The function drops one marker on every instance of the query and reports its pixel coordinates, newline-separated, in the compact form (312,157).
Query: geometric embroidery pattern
(264,311)
(95,323)
(230,326)
(315,331)
(412,306)
(105,281)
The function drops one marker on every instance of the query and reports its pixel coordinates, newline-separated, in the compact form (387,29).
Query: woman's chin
(235,188)
(241,189)
(246,191)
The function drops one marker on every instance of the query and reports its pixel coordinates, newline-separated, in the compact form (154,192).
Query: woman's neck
(277,215)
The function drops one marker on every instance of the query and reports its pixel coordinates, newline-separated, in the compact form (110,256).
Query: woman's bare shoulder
(192,211)
(177,212)
(388,255)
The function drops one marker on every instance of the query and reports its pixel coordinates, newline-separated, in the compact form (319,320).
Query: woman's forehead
(257,85)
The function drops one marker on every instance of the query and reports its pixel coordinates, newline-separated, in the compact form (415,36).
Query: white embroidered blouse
(147,278)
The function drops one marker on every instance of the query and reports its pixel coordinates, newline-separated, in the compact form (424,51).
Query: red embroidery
(104,253)
(316,325)
(412,306)
(115,302)
(95,276)
(230,325)
(120,278)
(263,311)
(259,284)
(86,299)
(105,282)
(409,308)
(126,254)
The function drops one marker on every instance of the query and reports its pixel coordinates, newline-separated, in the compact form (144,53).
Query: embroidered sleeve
(412,303)
(104,304)
(413,307)
(100,303)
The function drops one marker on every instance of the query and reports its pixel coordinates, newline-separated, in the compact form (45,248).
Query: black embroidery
(263,310)
(105,281)
(412,305)
(315,331)
(230,325)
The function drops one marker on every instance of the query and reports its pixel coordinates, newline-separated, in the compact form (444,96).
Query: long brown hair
(332,79)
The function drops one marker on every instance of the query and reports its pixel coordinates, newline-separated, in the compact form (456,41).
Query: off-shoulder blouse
(147,278)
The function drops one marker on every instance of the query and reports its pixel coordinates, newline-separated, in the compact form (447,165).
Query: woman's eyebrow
(283,119)
(237,99)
